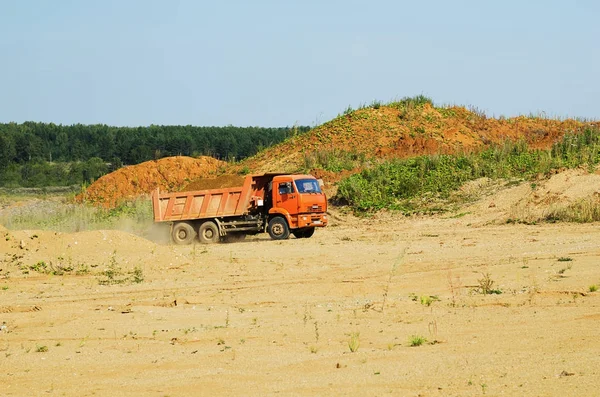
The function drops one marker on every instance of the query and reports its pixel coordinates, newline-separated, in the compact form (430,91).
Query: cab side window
(286,188)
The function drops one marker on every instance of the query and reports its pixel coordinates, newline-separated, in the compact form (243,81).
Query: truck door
(286,197)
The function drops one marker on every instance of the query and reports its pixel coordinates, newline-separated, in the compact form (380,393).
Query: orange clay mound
(395,132)
(169,174)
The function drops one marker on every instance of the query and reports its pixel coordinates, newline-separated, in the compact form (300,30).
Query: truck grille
(314,208)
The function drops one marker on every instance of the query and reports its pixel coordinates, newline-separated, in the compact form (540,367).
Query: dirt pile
(530,202)
(169,173)
(30,251)
(220,182)
(398,132)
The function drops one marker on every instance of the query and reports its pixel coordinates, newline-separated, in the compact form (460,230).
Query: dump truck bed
(202,204)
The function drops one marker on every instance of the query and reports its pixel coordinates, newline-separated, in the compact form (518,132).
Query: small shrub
(416,340)
(593,288)
(112,274)
(40,267)
(137,276)
(427,300)
(41,349)
(565,259)
(486,284)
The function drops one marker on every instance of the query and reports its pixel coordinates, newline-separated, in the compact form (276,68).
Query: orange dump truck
(279,204)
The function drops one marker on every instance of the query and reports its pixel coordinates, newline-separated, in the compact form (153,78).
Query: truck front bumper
(312,220)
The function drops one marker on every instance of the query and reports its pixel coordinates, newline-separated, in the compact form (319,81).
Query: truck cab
(299,201)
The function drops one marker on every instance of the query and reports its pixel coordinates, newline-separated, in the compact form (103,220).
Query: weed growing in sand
(485,285)
(307,314)
(433,331)
(137,276)
(41,349)
(82,269)
(354,342)
(427,300)
(42,267)
(562,270)
(565,259)
(593,288)
(455,285)
(113,274)
(39,267)
(416,340)
(393,270)
(313,349)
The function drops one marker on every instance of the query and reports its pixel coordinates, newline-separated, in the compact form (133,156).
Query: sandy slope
(262,317)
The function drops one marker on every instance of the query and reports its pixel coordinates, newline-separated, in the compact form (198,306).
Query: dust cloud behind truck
(279,204)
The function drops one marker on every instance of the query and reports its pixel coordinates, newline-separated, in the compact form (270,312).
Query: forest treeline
(45,154)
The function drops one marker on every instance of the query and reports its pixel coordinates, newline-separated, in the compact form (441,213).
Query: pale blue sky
(277,63)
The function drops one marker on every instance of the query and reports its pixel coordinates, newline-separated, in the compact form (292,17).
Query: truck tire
(208,233)
(278,228)
(304,233)
(183,233)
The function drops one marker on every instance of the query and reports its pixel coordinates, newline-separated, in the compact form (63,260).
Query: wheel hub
(277,229)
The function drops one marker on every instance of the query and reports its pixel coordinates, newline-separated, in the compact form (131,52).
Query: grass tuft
(485,285)
(416,340)
(354,342)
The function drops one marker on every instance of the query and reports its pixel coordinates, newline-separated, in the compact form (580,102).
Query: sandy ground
(262,317)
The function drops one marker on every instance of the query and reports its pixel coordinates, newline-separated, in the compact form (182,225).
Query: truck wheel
(308,232)
(183,233)
(278,228)
(304,233)
(208,233)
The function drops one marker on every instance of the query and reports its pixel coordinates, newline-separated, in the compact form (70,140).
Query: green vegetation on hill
(413,184)
(45,154)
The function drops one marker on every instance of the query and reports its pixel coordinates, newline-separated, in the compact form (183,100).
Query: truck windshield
(308,186)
